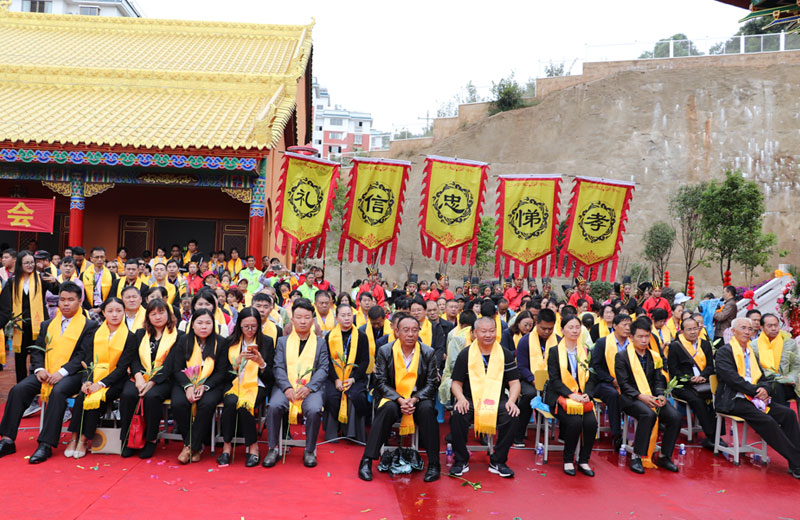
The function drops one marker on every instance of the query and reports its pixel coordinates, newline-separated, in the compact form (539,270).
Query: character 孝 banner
(527,208)
(374,209)
(452,203)
(305,202)
(598,212)
(27,214)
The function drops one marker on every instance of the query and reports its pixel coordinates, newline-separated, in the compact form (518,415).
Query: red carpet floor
(107,486)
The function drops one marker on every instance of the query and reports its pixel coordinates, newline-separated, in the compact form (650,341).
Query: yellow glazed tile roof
(147,83)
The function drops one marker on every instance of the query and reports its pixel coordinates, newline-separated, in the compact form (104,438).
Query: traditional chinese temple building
(150,132)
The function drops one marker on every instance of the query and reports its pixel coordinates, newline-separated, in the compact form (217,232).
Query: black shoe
(224,459)
(148,451)
(501,469)
(616,440)
(7,447)
(571,472)
(707,444)
(667,464)
(309,459)
(636,465)
(459,469)
(518,443)
(589,472)
(365,469)
(42,453)
(252,460)
(127,452)
(433,472)
(270,459)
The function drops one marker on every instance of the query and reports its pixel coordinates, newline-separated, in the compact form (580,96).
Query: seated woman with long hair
(206,298)
(107,354)
(568,393)
(521,326)
(196,396)
(151,375)
(250,354)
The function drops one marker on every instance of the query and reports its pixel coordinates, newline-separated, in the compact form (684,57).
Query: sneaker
(459,469)
(35,407)
(518,443)
(501,469)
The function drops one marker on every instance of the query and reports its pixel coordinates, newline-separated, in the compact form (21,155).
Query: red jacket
(573,300)
(656,303)
(376,290)
(514,297)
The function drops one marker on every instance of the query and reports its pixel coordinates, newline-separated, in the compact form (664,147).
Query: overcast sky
(398,60)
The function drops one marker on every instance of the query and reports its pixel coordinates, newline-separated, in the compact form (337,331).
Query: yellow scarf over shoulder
(299,368)
(498,327)
(164,346)
(170,287)
(579,386)
(426,332)
(537,359)
(486,383)
(121,285)
(234,266)
(206,364)
(328,323)
(643,386)
(35,302)
(343,367)
(138,320)
(698,355)
(106,356)
(611,356)
(770,352)
(88,279)
(271,330)
(245,384)
(602,329)
(387,329)
(738,356)
(60,346)
(404,381)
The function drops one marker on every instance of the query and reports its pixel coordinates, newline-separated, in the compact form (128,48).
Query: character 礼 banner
(304,206)
(374,209)
(27,214)
(527,210)
(452,203)
(598,211)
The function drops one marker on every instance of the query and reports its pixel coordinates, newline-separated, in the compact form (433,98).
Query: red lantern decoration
(690,288)
(726,279)
(666,278)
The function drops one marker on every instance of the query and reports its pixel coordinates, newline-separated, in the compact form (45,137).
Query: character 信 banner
(598,212)
(305,202)
(527,208)
(34,215)
(374,209)
(452,203)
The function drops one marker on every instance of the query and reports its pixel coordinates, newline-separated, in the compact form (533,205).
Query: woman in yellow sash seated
(151,376)
(521,326)
(568,394)
(250,354)
(199,369)
(107,355)
(605,325)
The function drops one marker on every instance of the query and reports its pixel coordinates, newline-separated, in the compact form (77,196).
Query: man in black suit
(393,406)
(55,362)
(641,397)
(129,277)
(432,312)
(436,338)
(743,390)
(692,360)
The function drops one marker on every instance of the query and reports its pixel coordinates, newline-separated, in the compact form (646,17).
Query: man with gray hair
(779,357)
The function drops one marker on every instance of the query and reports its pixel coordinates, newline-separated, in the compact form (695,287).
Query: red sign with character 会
(27,214)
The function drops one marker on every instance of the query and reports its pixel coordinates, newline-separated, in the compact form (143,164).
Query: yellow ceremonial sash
(537,359)
(121,286)
(234,266)
(342,367)
(165,345)
(770,352)
(120,265)
(387,329)
(486,383)
(557,328)
(361,319)
(144,279)
(498,327)
(187,257)
(602,329)
(579,386)
(328,323)
(738,356)
(197,359)
(515,339)
(664,338)
(698,355)
(404,380)
(643,386)
(299,368)
(245,384)
(35,302)
(60,346)
(170,287)
(426,332)
(672,327)
(276,316)
(60,277)
(106,280)
(248,298)
(2,347)
(655,343)
(271,330)
(106,356)
(219,317)
(138,321)
(611,356)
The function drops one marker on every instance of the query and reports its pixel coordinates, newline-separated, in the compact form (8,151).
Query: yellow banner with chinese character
(305,201)
(34,215)
(374,209)
(527,207)
(452,203)
(598,212)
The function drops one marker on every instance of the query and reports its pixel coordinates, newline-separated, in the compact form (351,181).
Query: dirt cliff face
(660,129)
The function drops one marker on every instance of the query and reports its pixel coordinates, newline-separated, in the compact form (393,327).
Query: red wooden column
(255,233)
(76,207)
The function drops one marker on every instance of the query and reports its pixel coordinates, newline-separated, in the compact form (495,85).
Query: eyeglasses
(249,327)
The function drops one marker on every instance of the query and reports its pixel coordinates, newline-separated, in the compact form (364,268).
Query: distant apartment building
(340,132)
(125,8)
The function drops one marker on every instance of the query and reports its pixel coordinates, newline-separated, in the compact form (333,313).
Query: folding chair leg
(546,440)
(689,423)
(717,435)
(736,444)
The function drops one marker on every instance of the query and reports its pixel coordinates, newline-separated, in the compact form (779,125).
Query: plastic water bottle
(622,460)
(681,455)
(449,454)
(539,454)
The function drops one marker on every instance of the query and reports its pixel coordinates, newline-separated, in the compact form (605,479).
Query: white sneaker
(35,407)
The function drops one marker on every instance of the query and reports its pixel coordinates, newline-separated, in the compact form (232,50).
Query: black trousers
(609,395)
(459,430)
(424,421)
(527,392)
(153,408)
(247,421)
(357,394)
(21,358)
(91,418)
(701,406)
(201,425)
(571,429)
(667,415)
(778,427)
(783,393)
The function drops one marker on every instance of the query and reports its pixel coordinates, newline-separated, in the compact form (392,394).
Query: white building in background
(338,131)
(126,8)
